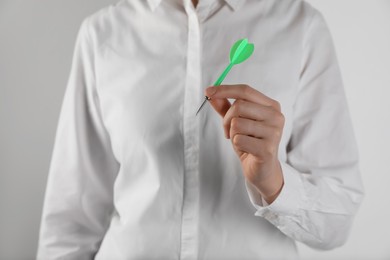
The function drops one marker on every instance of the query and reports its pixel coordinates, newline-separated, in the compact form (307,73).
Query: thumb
(221,105)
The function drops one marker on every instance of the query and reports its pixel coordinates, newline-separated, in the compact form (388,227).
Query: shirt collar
(234,4)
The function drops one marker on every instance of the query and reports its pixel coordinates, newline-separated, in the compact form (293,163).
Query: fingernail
(226,134)
(210,91)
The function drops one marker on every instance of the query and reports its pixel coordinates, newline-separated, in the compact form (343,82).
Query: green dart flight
(240,51)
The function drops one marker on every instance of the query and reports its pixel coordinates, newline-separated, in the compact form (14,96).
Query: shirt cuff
(290,197)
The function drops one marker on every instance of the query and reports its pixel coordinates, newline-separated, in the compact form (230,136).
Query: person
(270,161)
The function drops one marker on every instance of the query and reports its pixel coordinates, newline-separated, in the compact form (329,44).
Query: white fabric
(135,175)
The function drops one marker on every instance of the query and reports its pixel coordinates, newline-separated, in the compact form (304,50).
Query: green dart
(240,51)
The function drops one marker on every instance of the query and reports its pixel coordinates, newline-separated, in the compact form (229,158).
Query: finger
(253,128)
(259,148)
(220,105)
(241,91)
(253,111)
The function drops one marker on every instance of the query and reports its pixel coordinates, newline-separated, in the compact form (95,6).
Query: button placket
(189,227)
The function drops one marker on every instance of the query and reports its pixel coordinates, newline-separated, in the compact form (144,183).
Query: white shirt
(136,175)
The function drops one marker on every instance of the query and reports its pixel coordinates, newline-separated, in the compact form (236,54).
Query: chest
(142,73)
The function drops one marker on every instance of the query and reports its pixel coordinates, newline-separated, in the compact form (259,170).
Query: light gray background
(36,43)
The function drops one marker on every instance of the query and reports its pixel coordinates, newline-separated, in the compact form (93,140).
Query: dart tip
(206,98)
(197,112)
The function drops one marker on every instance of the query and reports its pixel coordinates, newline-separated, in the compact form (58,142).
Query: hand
(254,124)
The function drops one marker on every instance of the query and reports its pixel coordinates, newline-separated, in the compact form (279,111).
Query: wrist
(270,187)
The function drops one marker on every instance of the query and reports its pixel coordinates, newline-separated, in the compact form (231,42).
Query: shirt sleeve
(78,199)
(322,185)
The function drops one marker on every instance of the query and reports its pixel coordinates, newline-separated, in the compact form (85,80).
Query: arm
(78,200)
(313,196)
(323,188)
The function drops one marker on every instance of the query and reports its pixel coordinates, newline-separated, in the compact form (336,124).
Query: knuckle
(247,89)
(237,106)
(280,119)
(277,135)
(238,102)
(237,140)
(276,105)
